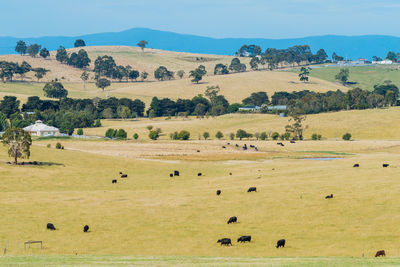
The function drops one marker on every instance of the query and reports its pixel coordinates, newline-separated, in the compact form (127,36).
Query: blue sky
(214,18)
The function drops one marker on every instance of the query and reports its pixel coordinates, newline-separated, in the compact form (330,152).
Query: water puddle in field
(322,159)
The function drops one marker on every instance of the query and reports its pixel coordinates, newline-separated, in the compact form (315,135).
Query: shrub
(150,127)
(275,136)
(257,135)
(263,136)
(183,135)
(219,135)
(110,133)
(97,123)
(347,136)
(173,136)
(316,137)
(80,132)
(48,145)
(135,136)
(206,135)
(232,136)
(154,135)
(59,146)
(121,134)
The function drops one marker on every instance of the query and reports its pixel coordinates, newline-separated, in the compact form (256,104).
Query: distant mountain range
(350,47)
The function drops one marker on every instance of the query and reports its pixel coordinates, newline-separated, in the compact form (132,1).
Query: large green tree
(142,44)
(55,89)
(304,73)
(79,43)
(39,73)
(21,47)
(197,74)
(162,74)
(33,50)
(18,142)
(102,83)
(9,105)
(343,75)
(62,55)
(44,53)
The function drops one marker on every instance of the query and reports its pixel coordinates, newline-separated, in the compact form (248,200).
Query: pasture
(364,77)
(177,220)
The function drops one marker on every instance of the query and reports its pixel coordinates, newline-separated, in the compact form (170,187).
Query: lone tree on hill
(21,47)
(142,44)
(84,77)
(44,53)
(296,128)
(33,50)
(40,73)
(303,75)
(162,74)
(343,76)
(144,75)
(197,74)
(103,83)
(18,142)
(79,43)
(180,73)
(62,55)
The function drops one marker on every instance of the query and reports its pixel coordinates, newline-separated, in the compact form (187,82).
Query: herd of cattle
(242,239)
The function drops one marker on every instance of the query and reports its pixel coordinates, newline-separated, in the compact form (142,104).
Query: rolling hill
(351,47)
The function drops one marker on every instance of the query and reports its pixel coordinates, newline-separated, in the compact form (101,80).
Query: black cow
(85,228)
(218,192)
(256,148)
(237,145)
(292,142)
(280,144)
(385,165)
(114,181)
(356,165)
(124,175)
(329,196)
(230,173)
(171,175)
(199,174)
(225,241)
(281,243)
(223,147)
(380,253)
(252,189)
(228,144)
(198,151)
(251,146)
(50,226)
(176,173)
(245,148)
(232,220)
(244,239)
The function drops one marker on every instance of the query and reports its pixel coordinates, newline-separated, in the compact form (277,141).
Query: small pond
(323,159)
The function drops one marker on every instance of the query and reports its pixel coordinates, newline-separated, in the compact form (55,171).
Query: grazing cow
(292,142)
(385,165)
(280,144)
(218,192)
(232,220)
(256,148)
(171,175)
(228,144)
(223,147)
(329,196)
(252,189)
(124,175)
(50,226)
(114,181)
(176,173)
(237,145)
(356,165)
(225,241)
(281,243)
(199,174)
(198,151)
(245,148)
(251,146)
(230,173)
(85,228)
(244,239)
(380,253)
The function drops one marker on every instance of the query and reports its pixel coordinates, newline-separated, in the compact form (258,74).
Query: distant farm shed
(41,129)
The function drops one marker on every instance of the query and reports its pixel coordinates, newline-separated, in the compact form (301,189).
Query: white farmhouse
(41,129)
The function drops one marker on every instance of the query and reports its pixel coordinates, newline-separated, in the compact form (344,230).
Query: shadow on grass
(35,163)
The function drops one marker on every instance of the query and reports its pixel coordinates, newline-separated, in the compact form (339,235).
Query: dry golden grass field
(235,86)
(150,214)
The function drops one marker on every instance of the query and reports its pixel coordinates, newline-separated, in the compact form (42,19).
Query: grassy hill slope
(234,86)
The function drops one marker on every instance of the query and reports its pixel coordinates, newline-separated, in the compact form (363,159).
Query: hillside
(234,86)
(351,47)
